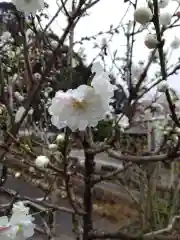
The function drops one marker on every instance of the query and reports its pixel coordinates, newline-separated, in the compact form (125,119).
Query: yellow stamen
(20,228)
(79,105)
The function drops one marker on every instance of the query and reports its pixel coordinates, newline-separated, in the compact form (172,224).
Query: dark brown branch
(121,236)
(66,174)
(144,159)
(162,61)
(88,205)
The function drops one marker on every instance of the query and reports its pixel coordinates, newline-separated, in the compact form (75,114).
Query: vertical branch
(88,205)
(67,176)
(131,86)
(128,58)
(162,61)
(164,77)
(70,52)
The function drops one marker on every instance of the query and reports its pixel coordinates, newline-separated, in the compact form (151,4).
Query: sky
(100,17)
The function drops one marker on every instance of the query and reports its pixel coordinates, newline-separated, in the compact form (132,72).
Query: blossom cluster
(144,16)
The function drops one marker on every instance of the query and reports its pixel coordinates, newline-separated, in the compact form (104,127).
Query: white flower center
(79,105)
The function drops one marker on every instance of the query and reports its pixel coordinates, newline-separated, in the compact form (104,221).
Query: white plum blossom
(103,87)
(85,105)
(151,41)
(165,18)
(163,3)
(98,69)
(21,218)
(19,226)
(41,161)
(123,122)
(175,43)
(163,86)
(101,84)
(77,108)
(28,6)
(143,15)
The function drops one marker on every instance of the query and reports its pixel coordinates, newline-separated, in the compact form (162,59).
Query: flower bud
(177,130)
(165,132)
(54,44)
(151,41)
(53,147)
(163,3)
(60,138)
(41,161)
(165,18)
(31,169)
(143,15)
(175,138)
(163,86)
(17,175)
(169,129)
